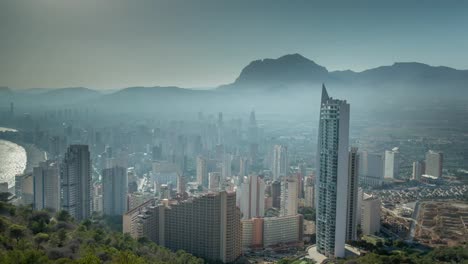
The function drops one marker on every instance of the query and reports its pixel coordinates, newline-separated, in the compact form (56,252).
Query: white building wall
(370,222)
(283,229)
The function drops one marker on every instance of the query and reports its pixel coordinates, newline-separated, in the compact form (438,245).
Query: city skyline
(171,131)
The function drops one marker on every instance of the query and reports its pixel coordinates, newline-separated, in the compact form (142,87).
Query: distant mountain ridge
(289,75)
(296,70)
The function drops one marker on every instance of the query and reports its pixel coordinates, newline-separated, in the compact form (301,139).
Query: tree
(40,238)
(38,222)
(17,231)
(89,258)
(63,215)
(127,257)
(62,236)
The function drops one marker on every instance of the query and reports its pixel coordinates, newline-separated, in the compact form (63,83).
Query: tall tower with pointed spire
(332,175)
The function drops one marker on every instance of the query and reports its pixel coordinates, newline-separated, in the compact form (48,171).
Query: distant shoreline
(33,156)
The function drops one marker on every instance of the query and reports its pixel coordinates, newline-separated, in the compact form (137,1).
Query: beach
(17,158)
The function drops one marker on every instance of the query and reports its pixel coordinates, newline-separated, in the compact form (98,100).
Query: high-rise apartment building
(289,194)
(207,226)
(202,171)
(205,166)
(352,210)
(252,199)
(24,188)
(226,166)
(370,217)
(309,192)
(114,191)
(419,168)
(280,166)
(76,182)
(332,175)
(214,179)
(371,169)
(46,181)
(434,162)
(181,184)
(244,165)
(392,163)
(276,194)
(265,232)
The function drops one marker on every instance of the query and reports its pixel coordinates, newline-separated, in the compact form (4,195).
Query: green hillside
(28,236)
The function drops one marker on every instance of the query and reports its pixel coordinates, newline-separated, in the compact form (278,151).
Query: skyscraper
(332,175)
(76,182)
(352,209)
(114,191)
(434,162)
(252,203)
(392,163)
(280,166)
(46,182)
(289,194)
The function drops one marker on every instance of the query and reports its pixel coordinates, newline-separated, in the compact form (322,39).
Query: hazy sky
(113,44)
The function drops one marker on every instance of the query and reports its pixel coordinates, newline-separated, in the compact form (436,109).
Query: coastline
(33,156)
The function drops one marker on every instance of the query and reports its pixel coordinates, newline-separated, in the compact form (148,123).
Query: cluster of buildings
(430,168)
(218,210)
(67,185)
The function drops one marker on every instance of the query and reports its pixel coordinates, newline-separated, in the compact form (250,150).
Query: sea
(12,160)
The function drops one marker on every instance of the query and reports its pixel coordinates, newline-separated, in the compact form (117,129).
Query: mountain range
(289,74)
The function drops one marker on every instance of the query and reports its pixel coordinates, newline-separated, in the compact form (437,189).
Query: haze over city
(289,132)
(116,44)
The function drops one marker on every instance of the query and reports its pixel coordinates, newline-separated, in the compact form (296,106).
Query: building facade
(114,191)
(289,196)
(252,198)
(332,175)
(280,166)
(76,182)
(434,162)
(352,209)
(258,233)
(208,226)
(371,169)
(392,163)
(419,168)
(46,178)
(370,217)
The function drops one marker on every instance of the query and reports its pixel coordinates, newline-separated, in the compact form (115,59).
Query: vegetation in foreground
(38,237)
